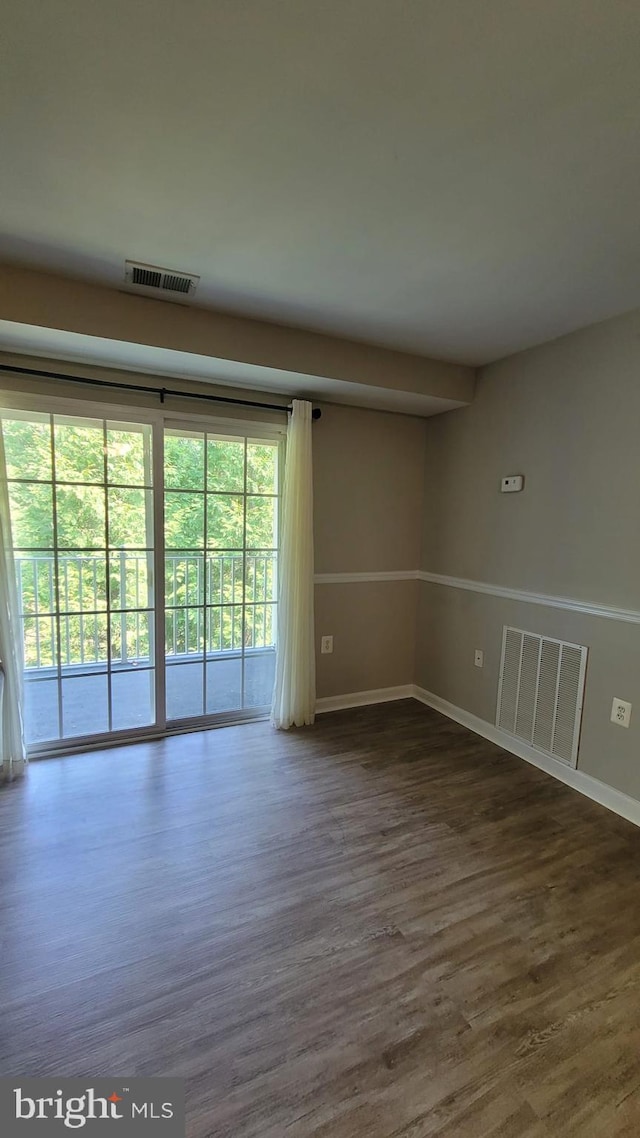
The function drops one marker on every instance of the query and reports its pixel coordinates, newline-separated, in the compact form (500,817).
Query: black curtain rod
(162,392)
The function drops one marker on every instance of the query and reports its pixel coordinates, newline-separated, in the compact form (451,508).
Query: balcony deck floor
(85,698)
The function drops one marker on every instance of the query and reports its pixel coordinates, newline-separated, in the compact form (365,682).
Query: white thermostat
(512,484)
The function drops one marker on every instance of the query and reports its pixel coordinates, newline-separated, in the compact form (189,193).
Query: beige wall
(566,416)
(368,487)
(368,468)
(43,300)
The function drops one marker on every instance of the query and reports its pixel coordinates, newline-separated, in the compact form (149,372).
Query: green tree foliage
(90,482)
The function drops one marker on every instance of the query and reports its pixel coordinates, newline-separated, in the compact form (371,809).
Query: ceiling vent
(165,284)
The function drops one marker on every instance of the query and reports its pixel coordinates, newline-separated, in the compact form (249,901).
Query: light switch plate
(512,484)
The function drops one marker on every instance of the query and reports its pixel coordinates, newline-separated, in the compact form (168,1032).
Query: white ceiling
(451,177)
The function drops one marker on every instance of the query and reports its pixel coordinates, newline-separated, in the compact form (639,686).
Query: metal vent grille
(152,279)
(147,277)
(175,283)
(541,691)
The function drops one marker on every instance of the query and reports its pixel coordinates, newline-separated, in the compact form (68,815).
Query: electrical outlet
(478,658)
(620,712)
(326,645)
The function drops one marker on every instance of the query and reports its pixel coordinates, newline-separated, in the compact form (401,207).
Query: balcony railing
(216,604)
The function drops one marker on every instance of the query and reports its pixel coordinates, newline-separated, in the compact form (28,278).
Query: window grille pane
(79,450)
(27,446)
(225,465)
(129,455)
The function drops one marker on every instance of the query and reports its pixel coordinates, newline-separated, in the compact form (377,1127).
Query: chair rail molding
(549,600)
(363,578)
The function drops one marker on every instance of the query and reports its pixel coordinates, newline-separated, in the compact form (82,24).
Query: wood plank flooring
(382,927)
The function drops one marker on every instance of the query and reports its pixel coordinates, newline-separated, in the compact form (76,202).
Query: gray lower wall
(373,625)
(452,623)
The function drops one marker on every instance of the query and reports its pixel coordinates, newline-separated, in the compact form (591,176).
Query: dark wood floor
(382,926)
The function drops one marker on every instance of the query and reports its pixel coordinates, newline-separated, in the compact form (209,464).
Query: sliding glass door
(80,493)
(221,537)
(99,542)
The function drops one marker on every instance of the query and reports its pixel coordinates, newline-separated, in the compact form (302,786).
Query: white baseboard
(362,698)
(600,792)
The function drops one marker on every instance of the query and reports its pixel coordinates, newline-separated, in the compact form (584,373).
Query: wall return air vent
(165,284)
(541,691)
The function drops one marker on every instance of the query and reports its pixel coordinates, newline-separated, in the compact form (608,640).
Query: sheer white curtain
(12,749)
(294,694)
